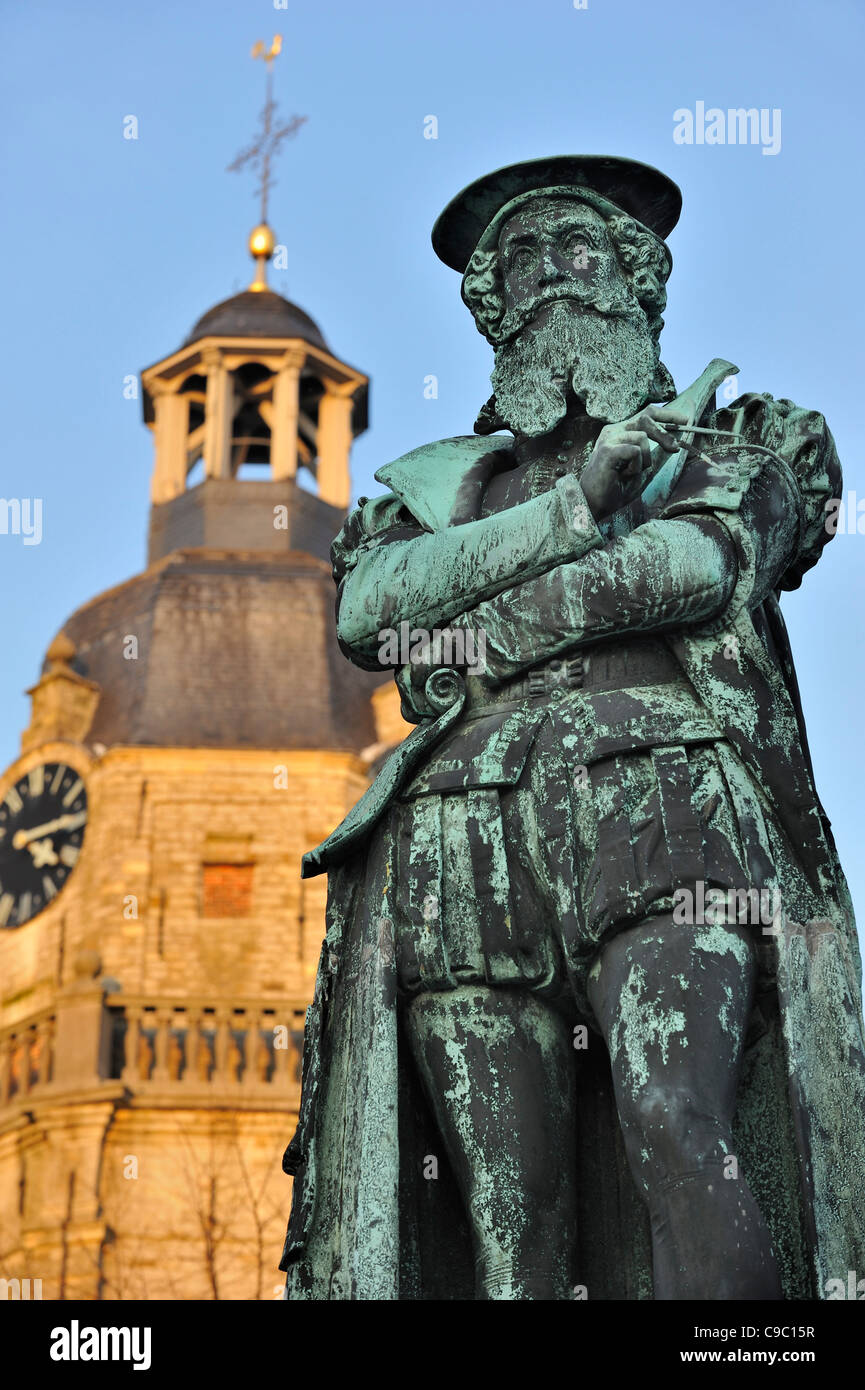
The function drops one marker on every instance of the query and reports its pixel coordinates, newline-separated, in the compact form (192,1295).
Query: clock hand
(38,832)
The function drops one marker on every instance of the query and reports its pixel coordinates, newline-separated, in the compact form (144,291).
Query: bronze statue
(588,1017)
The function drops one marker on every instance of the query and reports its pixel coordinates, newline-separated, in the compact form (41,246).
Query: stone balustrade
(26,1056)
(193,1044)
(147,1043)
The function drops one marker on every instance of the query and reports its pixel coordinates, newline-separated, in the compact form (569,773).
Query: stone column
(7,1052)
(26,1079)
(131,1072)
(172,427)
(218,415)
(195,1042)
(334,444)
(46,1065)
(250,1048)
(222,1047)
(286,405)
(163,1020)
(283,1057)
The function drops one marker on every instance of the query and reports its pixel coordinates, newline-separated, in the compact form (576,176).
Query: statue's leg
(497,1065)
(673,1002)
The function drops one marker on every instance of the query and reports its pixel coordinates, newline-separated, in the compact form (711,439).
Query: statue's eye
(521,257)
(575,244)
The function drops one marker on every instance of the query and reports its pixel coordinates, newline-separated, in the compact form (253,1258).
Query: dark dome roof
(238,649)
(257,314)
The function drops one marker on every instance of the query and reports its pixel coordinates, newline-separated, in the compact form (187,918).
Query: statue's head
(569,288)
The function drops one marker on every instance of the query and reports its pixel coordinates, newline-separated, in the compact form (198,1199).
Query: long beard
(608,358)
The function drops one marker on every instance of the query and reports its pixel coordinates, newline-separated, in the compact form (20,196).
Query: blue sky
(111,248)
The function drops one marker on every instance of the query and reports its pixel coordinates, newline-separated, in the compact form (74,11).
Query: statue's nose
(552,267)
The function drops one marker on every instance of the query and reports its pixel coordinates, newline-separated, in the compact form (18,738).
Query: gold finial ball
(261,240)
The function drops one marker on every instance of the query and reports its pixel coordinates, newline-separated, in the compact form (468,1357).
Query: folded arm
(395,574)
(696,563)
(666,574)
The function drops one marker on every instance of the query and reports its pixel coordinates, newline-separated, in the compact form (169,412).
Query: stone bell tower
(194,732)
(253,384)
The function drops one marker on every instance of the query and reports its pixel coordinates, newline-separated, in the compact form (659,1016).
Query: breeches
(521,885)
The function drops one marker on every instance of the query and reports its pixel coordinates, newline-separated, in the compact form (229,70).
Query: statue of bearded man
(588,1016)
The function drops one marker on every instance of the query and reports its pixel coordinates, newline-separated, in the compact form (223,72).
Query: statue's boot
(709,1240)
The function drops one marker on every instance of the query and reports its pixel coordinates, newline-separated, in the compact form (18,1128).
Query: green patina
(631,722)
(642,1022)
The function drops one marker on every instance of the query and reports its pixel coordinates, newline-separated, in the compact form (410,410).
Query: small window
(226,890)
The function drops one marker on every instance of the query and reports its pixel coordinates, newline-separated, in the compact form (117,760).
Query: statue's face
(556,248)
(572,323)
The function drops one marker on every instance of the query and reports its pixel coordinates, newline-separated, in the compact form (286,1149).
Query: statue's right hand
(616,471)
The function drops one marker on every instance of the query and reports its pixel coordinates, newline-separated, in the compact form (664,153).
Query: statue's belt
(605,667)
(452,696)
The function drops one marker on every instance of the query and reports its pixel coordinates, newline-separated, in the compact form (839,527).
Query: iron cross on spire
(260,154)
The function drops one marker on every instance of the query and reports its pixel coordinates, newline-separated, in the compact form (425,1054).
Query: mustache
(578,300)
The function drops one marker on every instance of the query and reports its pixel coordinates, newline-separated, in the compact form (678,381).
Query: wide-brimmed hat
(639,190)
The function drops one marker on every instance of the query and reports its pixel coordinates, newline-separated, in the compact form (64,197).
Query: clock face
(42,822)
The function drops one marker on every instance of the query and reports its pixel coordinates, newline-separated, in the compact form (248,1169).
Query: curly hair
(644,258)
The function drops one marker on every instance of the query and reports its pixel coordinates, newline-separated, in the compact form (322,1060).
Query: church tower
(194,731)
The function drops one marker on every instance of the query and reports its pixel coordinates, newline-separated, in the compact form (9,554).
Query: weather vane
(260,154)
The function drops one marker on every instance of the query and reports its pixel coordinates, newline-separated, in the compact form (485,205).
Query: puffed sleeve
(803,440)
